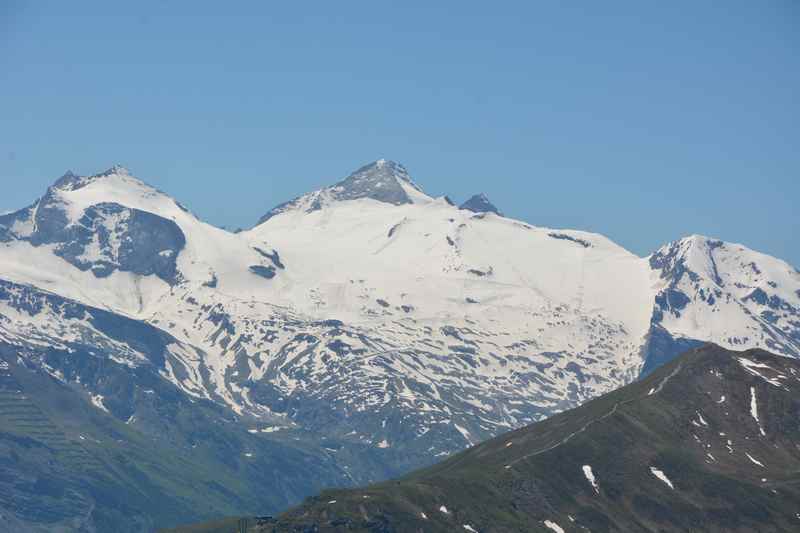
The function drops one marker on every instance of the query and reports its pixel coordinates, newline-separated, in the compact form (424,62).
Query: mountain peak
(380,170)
(71,181)
(479,203)
(691,244)
(66,179)
(382,180)
(116,170)
(114,185)
(696,239)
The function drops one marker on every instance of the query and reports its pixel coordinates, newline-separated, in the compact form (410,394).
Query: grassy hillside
(66,465)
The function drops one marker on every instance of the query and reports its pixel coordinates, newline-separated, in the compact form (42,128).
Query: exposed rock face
(479,203)
(383,181)
(104,237)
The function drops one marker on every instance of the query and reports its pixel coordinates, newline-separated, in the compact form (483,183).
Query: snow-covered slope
(738,298)
(129,244)
(375,314)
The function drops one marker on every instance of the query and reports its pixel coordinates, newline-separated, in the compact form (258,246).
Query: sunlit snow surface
(589,474)
(467,324)
(553,526)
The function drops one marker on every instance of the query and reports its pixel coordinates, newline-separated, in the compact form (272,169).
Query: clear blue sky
(645,121)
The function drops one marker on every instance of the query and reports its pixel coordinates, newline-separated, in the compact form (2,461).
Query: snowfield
(400,317)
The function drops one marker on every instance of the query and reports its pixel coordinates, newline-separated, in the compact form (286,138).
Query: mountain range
(353,334)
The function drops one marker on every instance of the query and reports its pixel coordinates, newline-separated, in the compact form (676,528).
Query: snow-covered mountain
(710,290)
(369,312)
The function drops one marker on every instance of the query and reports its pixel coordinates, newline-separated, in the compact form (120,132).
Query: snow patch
(754,460)
(662,476)
(751,367)
(553,526)
(464,433)
(97,401)
(754,409)
(587,471)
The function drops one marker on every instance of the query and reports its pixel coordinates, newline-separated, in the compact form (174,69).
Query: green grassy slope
(66,465)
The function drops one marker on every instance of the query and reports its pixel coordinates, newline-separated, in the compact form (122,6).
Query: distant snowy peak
(694,253)
(75,193)
(128,243)
(382,180)
(71,181)
(725,264)
(376,180)
(103,223)
(479,203)
(723,292)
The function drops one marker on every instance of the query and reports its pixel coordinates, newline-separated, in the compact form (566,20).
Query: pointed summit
(116,170)
(382,180)
(68,178)
(479,203)
(116,185)
(71,181)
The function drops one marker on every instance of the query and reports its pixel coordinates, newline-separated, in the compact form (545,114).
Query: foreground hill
(708,442)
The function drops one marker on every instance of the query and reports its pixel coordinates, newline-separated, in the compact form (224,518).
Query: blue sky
(645,121)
